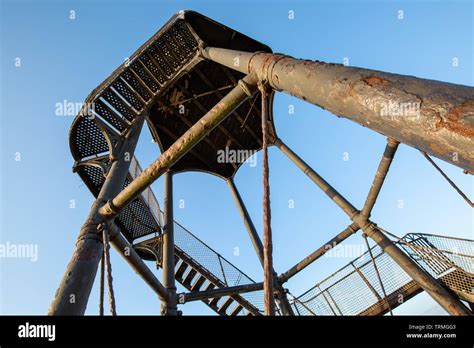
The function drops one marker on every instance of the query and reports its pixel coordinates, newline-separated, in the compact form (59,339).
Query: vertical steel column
(444,298)
(282,299)
(169,307)
(74,289)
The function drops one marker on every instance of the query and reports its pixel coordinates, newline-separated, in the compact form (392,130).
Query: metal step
(199,282)
(225,305)
(213,302)
(189,278)
(236,310)
(181,269)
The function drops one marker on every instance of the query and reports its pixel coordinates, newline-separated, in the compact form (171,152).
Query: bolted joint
(363,222)
(262,64)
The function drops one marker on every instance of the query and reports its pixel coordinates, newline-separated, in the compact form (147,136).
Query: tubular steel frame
(297,77)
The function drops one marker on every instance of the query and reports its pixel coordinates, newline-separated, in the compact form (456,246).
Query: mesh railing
(214,263)
(448,258)
(355,288)
(148,195)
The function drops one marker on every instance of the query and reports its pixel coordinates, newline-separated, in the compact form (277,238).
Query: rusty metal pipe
(380,176)
(74,289)
(245,88)
(432,116)
(441,295)
(346,233)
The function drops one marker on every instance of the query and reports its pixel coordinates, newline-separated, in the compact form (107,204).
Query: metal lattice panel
(355,289)
(154,68)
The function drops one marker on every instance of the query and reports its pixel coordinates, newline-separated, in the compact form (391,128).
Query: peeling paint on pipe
(432,116)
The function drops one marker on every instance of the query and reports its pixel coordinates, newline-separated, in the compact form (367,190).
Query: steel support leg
(75,287)
(281,297)
(444,298)
(169,307)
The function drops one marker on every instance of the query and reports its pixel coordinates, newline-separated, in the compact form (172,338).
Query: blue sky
(64,59)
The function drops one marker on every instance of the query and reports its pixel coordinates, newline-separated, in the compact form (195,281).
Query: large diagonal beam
(244,214)
(441,295)
(435,117)
(245,88)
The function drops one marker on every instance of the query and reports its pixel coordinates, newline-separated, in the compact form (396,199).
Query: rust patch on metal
(439,149)
(455,117)
(375,81)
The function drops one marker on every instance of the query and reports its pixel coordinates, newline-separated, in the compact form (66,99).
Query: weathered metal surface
(330,191)
(74,290)
(355,290)
(380,175)
(169,71)
(268,289)
(435,117)
(182,146)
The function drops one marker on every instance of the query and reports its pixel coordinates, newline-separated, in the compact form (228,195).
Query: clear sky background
(64,59)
